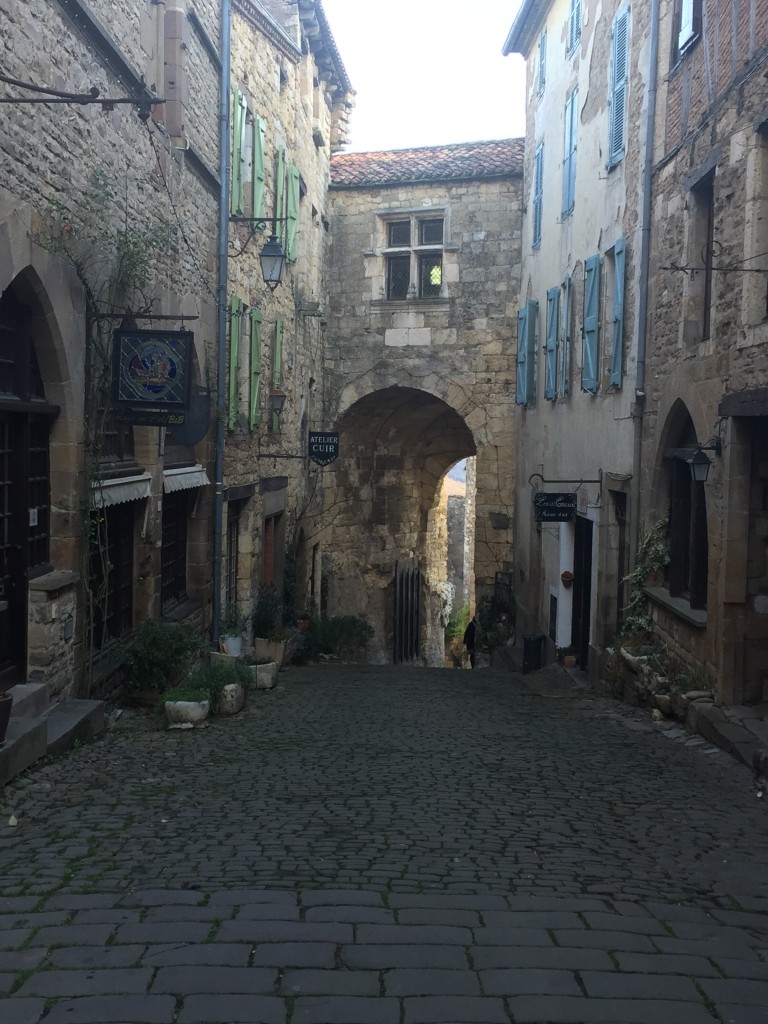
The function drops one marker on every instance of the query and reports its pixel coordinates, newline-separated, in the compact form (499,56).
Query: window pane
(173,579)
(399,232)
(431,232)
(398,276)
(111,571)
(430,276)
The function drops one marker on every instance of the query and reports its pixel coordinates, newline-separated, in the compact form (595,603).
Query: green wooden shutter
(550,348)
(259,176)
(538,190)
(591,324)
(239,108)
(235,320)
(280,193)
(254,404)
(617,100)
(619,261)
(277,365)
(565,342)
(292,224)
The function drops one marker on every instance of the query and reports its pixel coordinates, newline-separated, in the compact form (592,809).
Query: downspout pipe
(222,307)
(645,257)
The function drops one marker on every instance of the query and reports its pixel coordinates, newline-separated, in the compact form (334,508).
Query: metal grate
(430,276)
(398,276)
(173,586)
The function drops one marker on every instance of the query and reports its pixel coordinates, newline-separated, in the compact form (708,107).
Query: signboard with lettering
(323,447)
(554,507)
(153,369)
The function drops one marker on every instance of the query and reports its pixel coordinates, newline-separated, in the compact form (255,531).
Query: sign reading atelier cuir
(323,447)
(554,507)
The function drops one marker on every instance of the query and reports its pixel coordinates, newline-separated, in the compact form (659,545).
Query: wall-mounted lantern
(698,462)
(277,399)
(272,259)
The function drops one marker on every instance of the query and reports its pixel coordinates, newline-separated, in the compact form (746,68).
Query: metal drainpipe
(645,255)
(222,307)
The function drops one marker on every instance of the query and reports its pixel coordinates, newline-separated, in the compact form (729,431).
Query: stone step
(26,741)
(30,700)
(72,721)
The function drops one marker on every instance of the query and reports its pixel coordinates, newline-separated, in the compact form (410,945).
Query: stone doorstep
(711,723)
(30,700)
(30,738)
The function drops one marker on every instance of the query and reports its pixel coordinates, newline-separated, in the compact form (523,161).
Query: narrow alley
(388,846)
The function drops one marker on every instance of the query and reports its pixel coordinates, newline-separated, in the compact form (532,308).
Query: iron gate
(407,610)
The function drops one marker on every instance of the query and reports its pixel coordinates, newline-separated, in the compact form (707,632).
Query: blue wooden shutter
(292,224)
(259,176)
(526,352)
(574,24)
(538,188)
(542,76)
(569,151)
(565,341)
(591,324)
(617,102)
(239,108)
(235,311)
(619,260)
(550,348)
(254,404)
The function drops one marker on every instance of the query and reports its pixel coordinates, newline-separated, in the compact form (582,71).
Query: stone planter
(232,699)
(219,656)
(187,714)
(272,649)
(266,676)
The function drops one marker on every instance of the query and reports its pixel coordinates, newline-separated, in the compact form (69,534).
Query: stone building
(579,316)
(706,382)
(291,98)
(108,215)
(419,373)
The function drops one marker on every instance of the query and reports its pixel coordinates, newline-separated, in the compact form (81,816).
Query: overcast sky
(428,72)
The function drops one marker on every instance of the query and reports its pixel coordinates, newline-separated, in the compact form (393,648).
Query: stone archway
(380,500)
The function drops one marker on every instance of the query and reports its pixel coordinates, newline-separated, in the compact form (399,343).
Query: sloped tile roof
(462,160)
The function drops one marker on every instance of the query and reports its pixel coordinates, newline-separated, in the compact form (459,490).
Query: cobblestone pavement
(380,846)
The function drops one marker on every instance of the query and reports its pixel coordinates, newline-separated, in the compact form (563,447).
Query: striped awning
(121,489)
(184,479)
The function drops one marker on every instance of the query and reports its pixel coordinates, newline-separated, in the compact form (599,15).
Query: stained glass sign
(153,368)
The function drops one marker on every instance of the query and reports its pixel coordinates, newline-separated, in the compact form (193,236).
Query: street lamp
(699,465)
(272,259)
(277,399)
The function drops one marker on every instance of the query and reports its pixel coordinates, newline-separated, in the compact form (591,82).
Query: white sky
(428,72)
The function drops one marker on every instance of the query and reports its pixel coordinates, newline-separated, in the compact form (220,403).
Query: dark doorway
(24,481)
(582,590)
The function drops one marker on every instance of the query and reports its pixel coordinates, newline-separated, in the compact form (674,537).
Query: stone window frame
(701,187)
(686,27)
(383,251)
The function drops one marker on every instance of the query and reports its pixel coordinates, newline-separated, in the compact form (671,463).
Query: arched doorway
(25,418)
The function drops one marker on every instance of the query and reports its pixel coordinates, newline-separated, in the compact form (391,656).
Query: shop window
(173,585)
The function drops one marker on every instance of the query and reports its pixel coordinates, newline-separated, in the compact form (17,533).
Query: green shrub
(160,653)
(345,636)
(212,678)
(457,624)
(268,614)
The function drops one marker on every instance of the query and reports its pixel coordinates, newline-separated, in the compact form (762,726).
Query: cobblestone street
(384,846)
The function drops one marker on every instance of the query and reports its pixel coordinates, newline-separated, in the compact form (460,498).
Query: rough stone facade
(708,339)
(415,383)
(72,178)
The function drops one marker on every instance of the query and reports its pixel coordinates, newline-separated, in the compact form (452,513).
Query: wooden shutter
(526,352)
(617,358)
(591,324)
(574,24)
(254,404)
(280,193)
(277,365)
(259,176)
(538,186)
(569,151)
(235,319)
(239,109)
(565,340)
(292,224)
(550,348)
(542,76)
(617,101)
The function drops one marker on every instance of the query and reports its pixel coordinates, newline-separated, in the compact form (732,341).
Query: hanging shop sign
(323,447)
(554,507)
(152,374)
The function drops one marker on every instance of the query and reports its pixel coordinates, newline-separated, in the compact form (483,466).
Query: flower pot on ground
(231,646)
(225,682)
(187,707)
(6,703)
(269,650)
(263,672)
(233,626)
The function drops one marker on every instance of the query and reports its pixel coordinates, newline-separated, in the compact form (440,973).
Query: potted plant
(263,671)
(158,657)
(6,703)
(233,626)
(269,632)
(227,685)
(187,706)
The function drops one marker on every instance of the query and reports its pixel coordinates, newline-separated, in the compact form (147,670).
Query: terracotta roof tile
(461,160)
